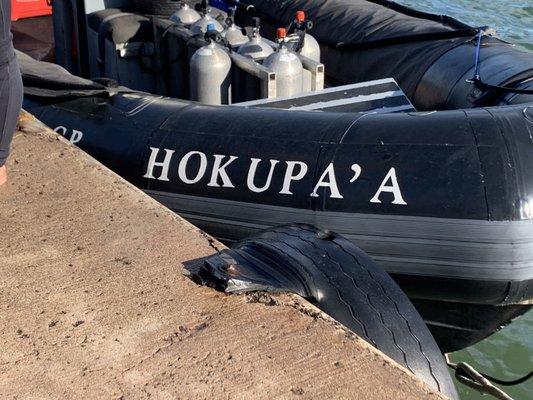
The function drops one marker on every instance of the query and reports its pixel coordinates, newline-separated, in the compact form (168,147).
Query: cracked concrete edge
(31,125)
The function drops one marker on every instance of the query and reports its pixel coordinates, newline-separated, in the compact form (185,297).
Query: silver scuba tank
(234,36)
(287,66)
(210,66)
(255,47)
(200,26)
(233,33)
(185,14)
(310,48)
(247,87)
(304,44)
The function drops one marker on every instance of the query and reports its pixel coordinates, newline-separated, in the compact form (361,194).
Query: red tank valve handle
(281,34)
(300,16)
(301,22)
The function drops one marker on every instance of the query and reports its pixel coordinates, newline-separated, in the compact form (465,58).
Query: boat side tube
(430,196)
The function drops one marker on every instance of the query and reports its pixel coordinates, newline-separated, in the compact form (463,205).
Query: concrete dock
(94,303)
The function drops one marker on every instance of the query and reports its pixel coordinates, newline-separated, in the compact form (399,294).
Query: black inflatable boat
(440,198)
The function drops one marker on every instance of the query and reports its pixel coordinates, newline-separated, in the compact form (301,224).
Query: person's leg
(10,87)
(4,147)
(3,175)
(10,104)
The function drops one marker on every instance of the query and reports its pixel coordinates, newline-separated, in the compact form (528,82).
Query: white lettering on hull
(75,136)
(219,170)
(290,176)
(251,175)
(152,163)
(356,168)
(330,183)
(294,171)
(393,188)
(182,168)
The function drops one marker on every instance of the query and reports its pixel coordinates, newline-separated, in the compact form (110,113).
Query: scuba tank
(308,46)
(255,47)
(232,33)
(210,71)
(248,87)
(200,26)
(287,66)
(304,44)
(185,14)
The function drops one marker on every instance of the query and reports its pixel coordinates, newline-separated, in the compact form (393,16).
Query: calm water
(509,353)
(512,19)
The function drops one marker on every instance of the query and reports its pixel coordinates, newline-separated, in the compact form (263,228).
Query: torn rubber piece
(341,280)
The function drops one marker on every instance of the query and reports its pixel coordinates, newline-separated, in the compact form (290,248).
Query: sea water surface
(512,19)
(507,354)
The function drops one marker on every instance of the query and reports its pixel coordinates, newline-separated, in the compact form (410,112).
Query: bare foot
(3,175)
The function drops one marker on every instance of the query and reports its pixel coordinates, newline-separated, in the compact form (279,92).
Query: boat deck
(94,302)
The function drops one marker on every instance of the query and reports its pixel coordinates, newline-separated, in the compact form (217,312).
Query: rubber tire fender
(341,280)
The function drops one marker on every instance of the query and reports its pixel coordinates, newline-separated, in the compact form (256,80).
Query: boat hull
(451,223)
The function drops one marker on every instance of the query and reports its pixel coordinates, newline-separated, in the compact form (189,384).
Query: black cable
(411,12)
(422,37)
(513,382)
(486,86)
(509,383)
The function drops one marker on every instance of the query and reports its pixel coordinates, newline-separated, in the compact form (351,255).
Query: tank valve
(300,23)
(230,20)
(212,35)
(202,7)
(253,31)
(306,45)
(281,34)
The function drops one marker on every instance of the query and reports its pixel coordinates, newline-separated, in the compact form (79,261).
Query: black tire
(344,282)
(156,7)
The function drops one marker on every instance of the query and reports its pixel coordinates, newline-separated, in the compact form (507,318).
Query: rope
(467,375)
(478,82)
(476,61)
(470,377)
